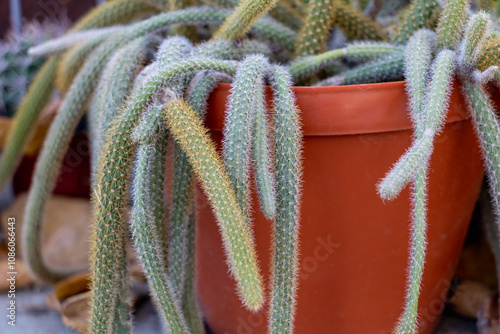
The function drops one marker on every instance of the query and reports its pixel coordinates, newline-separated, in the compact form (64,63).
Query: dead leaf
(65,231)
(469,297)
(76,312)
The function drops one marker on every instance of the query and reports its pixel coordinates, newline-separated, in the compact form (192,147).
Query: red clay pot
(353,246)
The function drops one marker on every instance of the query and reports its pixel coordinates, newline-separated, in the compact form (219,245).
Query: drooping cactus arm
(418,56)
(72,61)
(435,111)
(52,153)
(239,124)
(189,132)
(243,17)
(288,165)
(110,96)
(306,66)
(144,230)
(262,155)
(488,130)
(197,95)
(111,195)
(65,122)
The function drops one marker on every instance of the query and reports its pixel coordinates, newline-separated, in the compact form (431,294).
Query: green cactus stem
(359,51)
(262,155)
(388,68)
(111,92)
(313,35)
(182,228)
(66,120)
(112,200)
(62,43)
(487,128)
(489,55)
(435,111)
(239,125)
(72,61)
(355,25)
(451,23)
(146,242)
(288,166)
(190,134)
(419,14)
(475,34)
(243,17)
(417,67)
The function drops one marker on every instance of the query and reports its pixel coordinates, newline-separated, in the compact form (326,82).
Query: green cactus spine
(288,143)
(451,24)
(190,134)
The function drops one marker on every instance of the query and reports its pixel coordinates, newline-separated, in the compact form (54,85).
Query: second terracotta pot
(354,247)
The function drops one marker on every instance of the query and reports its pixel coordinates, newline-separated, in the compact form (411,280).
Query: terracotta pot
(353,246)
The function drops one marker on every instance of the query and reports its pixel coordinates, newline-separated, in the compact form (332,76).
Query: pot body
(354,247)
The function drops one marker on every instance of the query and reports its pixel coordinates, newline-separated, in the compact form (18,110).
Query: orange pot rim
(366,108)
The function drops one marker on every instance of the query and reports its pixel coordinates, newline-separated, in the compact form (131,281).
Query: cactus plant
(134,112)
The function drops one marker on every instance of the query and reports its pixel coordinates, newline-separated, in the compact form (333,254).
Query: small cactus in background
(260,42)
(17,67)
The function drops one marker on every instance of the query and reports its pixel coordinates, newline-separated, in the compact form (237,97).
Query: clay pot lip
(359,109)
